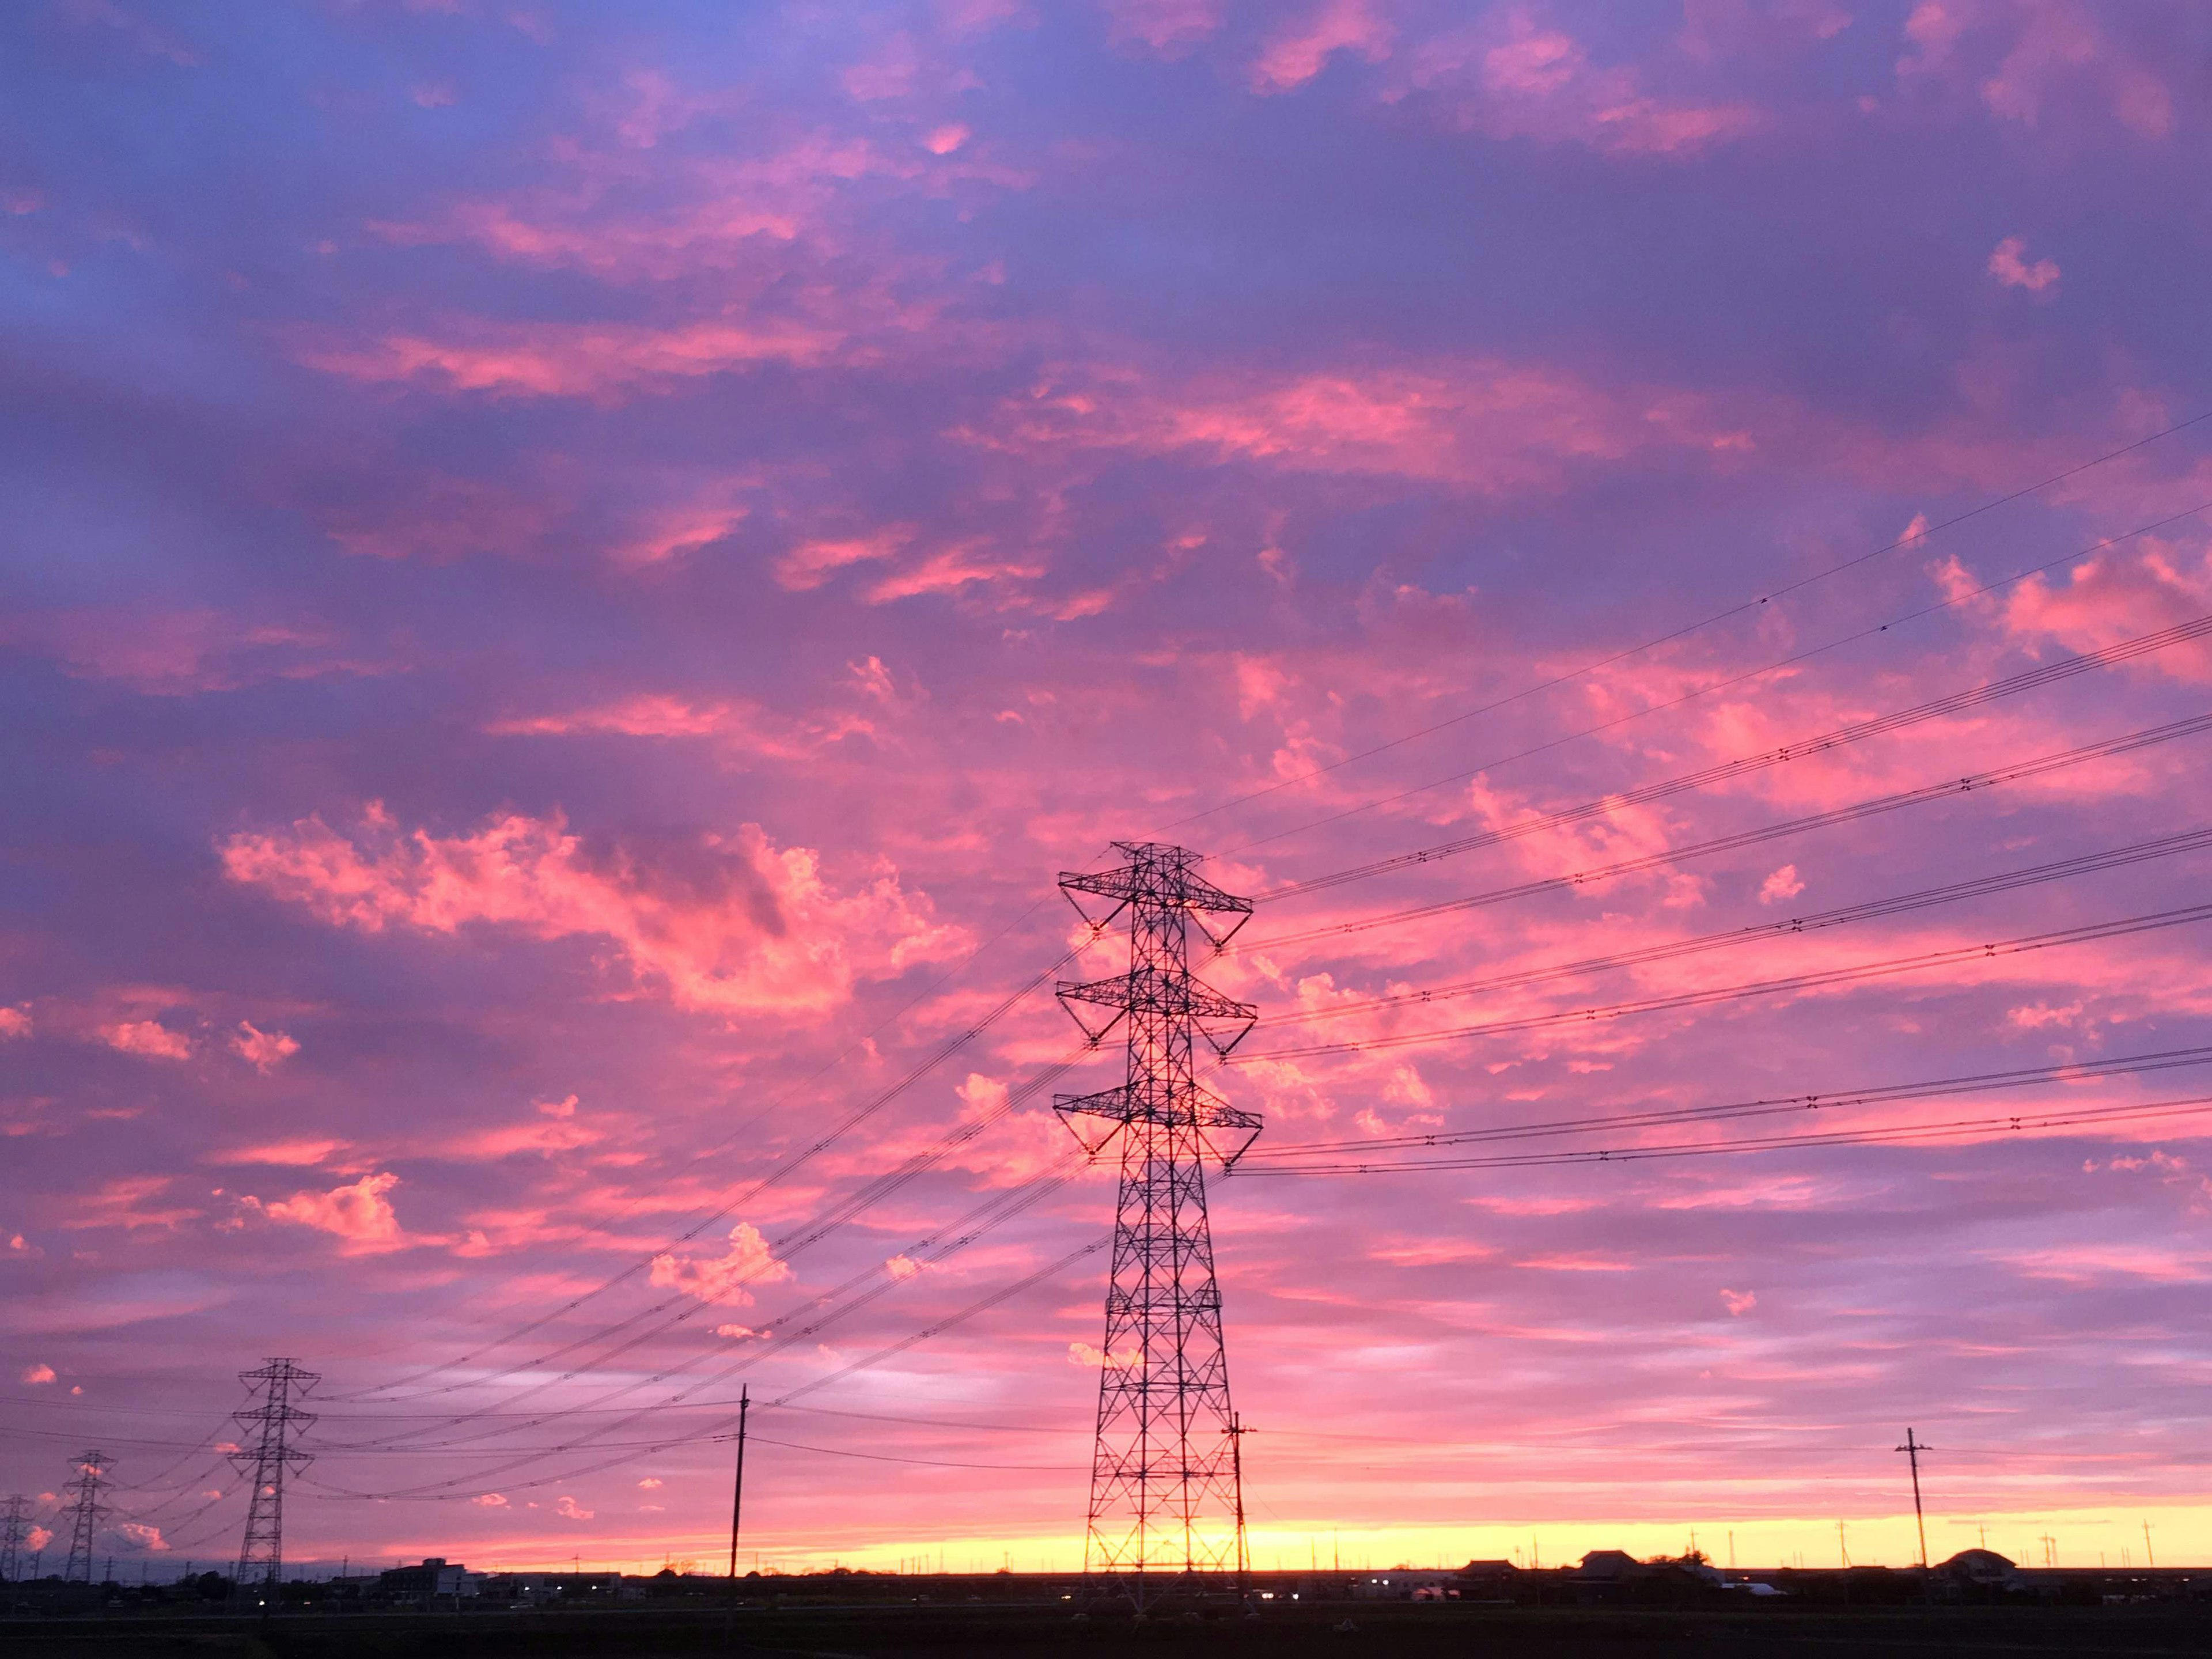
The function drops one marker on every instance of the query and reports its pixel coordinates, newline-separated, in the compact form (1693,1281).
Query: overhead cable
(1976,696)
(1915,538)
(1767,1106)
(1943,789)
(1816,980)
(2008,1123)
(1842,915)
(1709,687)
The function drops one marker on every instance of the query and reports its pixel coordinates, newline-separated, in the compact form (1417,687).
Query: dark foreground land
(1015,1631)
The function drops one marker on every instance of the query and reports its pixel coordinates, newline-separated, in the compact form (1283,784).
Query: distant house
(1610,1567)
(1982,1570)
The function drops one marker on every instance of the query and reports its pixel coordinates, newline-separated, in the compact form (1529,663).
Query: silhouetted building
(435,1577)
(1982,1570)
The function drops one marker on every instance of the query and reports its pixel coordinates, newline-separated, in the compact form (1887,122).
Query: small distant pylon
(1164,1486)
(14,1527)
(273,1420)
(86,1514)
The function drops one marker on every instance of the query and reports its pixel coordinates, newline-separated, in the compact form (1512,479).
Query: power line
(1944,789)
(1833,1100)
(2117,858)
(930,1252)
(869,1108)
(2086,934)
(1771,1106)
(779,1250)
(2157,1111)
(1741,609)
(2066,668)
(1004,1292)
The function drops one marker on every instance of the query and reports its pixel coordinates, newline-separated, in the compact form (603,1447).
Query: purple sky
(573,575)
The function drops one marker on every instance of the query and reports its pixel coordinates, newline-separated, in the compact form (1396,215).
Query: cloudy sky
(574,576)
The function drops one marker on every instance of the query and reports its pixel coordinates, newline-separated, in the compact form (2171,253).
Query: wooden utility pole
(1912,1449)
(1237,1433)
(738,1496)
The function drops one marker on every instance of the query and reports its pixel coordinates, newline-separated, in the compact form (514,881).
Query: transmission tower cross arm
(1172,994)
(1094,1120)
(1161,875)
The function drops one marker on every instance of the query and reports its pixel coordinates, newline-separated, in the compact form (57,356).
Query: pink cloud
(2009,266)
(36,1375)
(1298,52)
(568,1508)
(148,1038)
(742,727)
(1485,425)
(358,1214)
(811,562)
(604,362)
(140,1535)
(264,1051)
(2037,64)
(129,1202)
(1739,1303)
(2115,597)
(943,141)
(1510,77)
(301,1152)
(892,72)
(1169,28)
(948,571)
(171,654)
(727,924)
(1781,886)
(14,1023)
(723,1278)
(489,1500)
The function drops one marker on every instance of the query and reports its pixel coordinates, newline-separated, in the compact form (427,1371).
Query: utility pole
(1162,1468)
(1237,1433)
(1912,1449)
(87,1513)
(1842,1548)
(271,1422)
(738,1496)
(2149,1560)
(14,1527)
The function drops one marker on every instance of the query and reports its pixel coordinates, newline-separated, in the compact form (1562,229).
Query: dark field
(928,1632)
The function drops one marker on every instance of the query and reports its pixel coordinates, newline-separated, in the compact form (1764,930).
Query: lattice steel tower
(272,1422)
(1163,1474)
(15,1528)
(86,1514)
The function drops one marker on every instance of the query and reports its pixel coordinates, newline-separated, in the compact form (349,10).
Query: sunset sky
(573,575)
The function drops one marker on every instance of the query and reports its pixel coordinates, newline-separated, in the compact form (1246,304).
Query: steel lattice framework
(14,1531)
(86,1512)
(271,1421)
(1163,1472)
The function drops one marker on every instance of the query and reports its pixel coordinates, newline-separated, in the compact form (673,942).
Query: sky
(574,575)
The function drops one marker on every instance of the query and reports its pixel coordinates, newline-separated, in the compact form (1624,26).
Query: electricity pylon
(1162,1471)
(275,1386)
(86,1512)
(14,1527)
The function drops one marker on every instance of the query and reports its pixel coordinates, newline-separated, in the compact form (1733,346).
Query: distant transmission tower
(1163,1474)
(272,1422)
(14,1527)
(86,1514)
